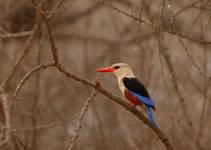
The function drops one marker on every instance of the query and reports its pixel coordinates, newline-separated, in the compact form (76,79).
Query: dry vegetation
(51,97)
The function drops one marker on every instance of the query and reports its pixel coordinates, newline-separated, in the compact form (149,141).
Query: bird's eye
(116,67)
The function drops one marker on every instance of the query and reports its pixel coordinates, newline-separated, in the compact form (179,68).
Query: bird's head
(119,69)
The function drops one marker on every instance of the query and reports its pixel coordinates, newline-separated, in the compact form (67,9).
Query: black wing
(136,86)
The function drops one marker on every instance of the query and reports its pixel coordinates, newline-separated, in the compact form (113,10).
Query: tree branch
(50,35)
(102,90)
(118,100)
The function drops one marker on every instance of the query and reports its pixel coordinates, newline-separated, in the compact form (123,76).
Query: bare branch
(174,32)
(26,77)
(25,51)
(58,4)
(41,127)
(16,35)
(50,35)
(28,33)
(6,102)
(84,109)
(164,51)
(126,14)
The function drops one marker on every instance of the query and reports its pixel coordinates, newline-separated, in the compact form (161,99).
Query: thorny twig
(84,109)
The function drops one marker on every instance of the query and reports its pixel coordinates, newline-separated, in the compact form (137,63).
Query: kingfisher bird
(132,89)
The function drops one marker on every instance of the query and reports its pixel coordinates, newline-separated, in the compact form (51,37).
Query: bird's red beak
(105,69)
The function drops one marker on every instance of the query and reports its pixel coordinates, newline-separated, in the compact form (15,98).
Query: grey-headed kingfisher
(132,89)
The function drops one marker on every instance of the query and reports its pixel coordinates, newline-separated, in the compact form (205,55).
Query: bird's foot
(132,106)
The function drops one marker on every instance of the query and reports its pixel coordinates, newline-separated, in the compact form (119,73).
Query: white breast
(121,85)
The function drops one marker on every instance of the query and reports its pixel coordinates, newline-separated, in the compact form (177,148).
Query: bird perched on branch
(132,89)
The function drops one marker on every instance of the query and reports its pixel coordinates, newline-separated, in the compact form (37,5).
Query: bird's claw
(132,106)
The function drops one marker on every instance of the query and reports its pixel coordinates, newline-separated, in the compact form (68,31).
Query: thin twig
(126,14)
(203,121)
(41,127)
(58,4)
(25,51)
(84,109)
(174,32)
(28,33)
(163,49)
(16,35)
(190,57)
(26,77)
(49,32)
(139,40)
(6,102)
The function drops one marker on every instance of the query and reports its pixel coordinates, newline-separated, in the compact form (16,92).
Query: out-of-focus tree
(166,42)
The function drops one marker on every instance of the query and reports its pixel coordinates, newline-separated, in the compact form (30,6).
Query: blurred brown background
(169,52)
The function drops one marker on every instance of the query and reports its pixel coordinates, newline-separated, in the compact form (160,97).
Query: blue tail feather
(149,114)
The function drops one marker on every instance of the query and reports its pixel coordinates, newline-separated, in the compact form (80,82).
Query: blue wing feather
(143,99)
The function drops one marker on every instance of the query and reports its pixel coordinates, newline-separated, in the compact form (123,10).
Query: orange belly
(133,99)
